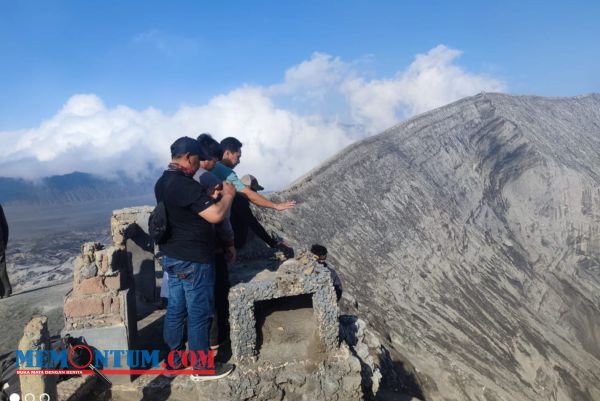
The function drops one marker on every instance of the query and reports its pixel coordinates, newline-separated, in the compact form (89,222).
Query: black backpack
(158,224)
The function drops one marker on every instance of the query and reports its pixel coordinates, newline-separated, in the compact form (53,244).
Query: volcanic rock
(469,237)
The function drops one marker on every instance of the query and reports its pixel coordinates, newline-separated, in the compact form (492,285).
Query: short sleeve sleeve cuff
(201,203)
(233,178)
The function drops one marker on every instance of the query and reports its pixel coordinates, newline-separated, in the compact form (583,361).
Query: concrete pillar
(37,338)
(129,228)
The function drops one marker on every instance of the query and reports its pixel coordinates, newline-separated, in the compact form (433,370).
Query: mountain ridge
(469,236)
(484,96)
(73,187)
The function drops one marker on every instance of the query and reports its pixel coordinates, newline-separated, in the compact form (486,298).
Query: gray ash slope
(470,238)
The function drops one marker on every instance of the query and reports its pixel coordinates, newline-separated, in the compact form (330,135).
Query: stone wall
(101,307)
(100,287)
(95,299)
(109,282)
(292,278)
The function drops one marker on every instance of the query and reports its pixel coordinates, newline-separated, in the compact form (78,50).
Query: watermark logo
(83,360)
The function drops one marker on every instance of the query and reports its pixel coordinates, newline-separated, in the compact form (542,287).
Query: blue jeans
(191,294)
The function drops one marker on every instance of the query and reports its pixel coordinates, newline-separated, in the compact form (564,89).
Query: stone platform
(283,316)
(287,350)
(335,378)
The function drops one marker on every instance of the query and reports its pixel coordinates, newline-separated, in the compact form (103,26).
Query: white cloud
(283,137)
(320,73)
(432,80)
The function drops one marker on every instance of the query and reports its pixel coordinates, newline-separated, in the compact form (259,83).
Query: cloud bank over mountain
(322,105)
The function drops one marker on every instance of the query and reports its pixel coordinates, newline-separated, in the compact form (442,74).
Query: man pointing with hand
(232,152)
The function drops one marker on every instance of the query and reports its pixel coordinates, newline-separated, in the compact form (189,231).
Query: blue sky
(169,55)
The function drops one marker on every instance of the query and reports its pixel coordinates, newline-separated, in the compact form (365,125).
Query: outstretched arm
(261,201)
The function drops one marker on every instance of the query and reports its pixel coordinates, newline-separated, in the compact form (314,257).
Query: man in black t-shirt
(5,287)
(187,255)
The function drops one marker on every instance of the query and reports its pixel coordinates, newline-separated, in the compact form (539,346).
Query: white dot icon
(14,397)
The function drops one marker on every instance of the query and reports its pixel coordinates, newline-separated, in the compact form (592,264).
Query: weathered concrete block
(129,228)
(113,337)
(92,285)
(110,261)
(83,306)
(112,305)
(113,283)
(122,220)
(36,337)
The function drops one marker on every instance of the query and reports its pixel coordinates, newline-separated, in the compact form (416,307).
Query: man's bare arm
(217,212)
(261,201)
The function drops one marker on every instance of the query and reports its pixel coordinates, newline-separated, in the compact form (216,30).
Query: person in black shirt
(5,287)
(242,218)
(187,255)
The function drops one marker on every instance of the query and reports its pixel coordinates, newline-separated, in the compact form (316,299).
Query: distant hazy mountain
(75,187)
(470,237)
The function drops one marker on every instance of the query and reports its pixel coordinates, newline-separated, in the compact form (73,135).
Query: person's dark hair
(318,250)
(231,144)
(210,146)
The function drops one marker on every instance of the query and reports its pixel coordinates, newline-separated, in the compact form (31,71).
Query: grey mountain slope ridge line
(470,238)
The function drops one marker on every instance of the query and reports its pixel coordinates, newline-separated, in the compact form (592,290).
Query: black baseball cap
(208,180)
(184,145)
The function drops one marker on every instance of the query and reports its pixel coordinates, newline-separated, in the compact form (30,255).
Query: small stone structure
(292,278)
(108,281)
(328,370)
(37,338)
(129,229)
(100,288)
(102,308)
